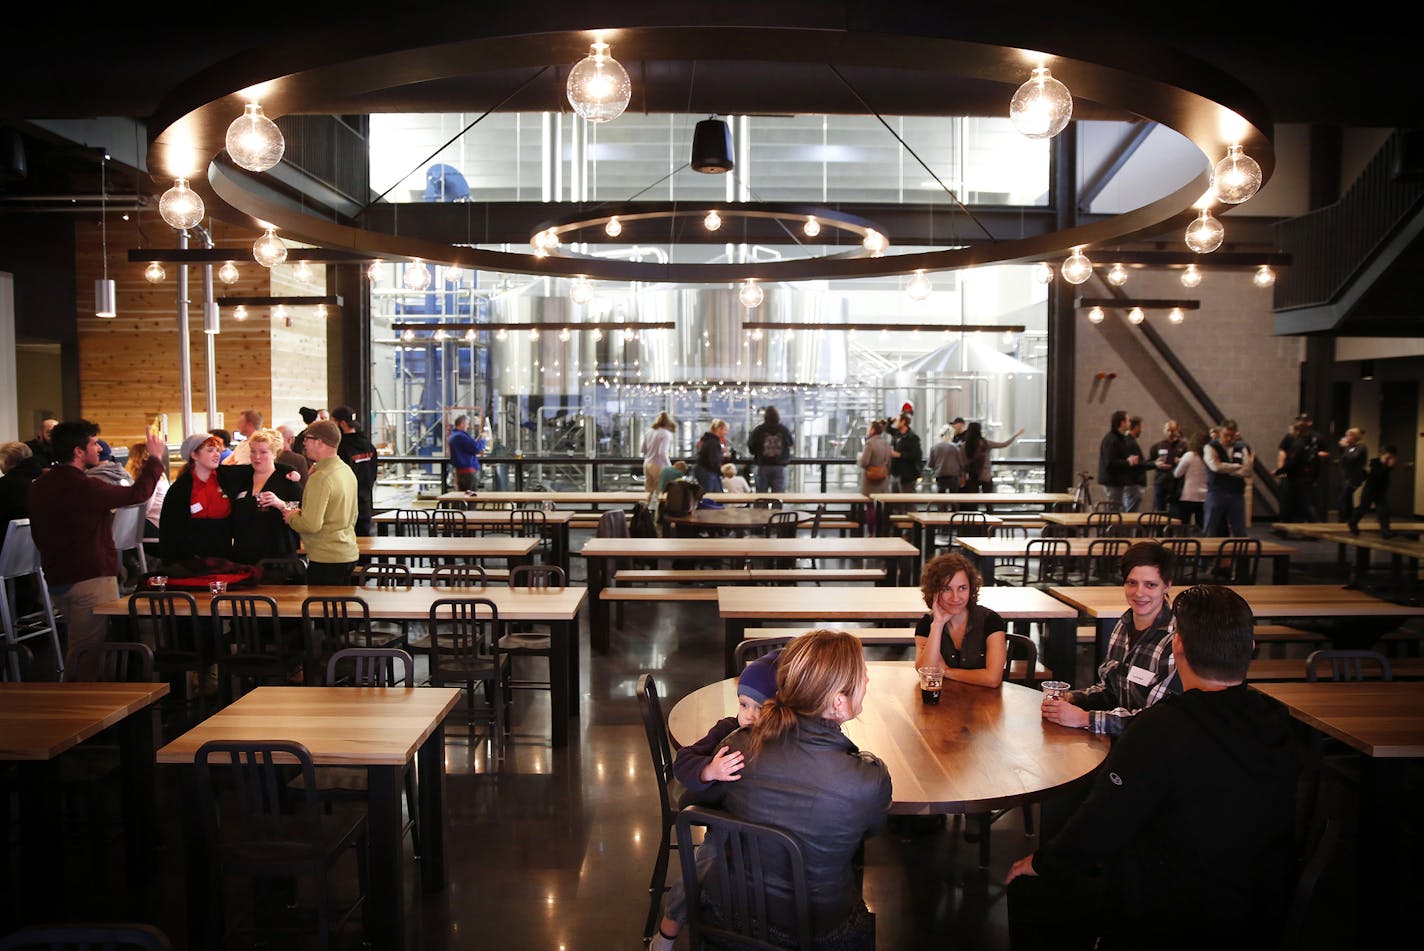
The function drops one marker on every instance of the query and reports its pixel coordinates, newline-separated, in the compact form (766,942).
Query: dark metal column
(1062,319)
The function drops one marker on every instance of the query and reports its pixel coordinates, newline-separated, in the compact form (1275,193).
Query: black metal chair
(170,623)
(1347,665)
(1005,530)
(754,647)
(449,523)
(1153,524)
(1186,558)
(97,937)
(253,832)
(464,651)
(458,576)
(116,662)
(253,647)
(333,623)
(520,640)
(660,749)
(413,523)
(531,523)
(744,855)
(1237,561)
(1047,561)
(1107,506)
(1101,523)
(1105,560)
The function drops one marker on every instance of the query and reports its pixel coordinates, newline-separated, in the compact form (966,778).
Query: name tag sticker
(242,495)
(195,508)
(1141,676)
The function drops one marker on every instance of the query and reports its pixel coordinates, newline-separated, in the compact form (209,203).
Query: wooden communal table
(603,554)
(739,520)
(556,607)
(1403,546)
(1076,523)
(887,502)
(1385,723)
(556,526)
(744,606)
(471,547)
(41,721)
(589,501)
(978,749)
(927,523)
(380,728)
(1105,604)
(990,550)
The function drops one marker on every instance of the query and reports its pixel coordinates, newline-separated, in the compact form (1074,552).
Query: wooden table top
(1266,600)
(846,602)
(977,749)
(1377,718)
(975,498)
(1408,547)
(1370,524)
(558,498)
(940,519)
(805,547)
(1080,519)
(1078,547)
(487,517)
(42,720)
(792,498)
(728,517)
(407,604)
(340,726)
(472,546)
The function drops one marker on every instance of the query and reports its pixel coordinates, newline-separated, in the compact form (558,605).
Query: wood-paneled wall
(128,365)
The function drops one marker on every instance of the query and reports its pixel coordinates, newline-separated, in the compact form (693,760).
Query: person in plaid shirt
(1138,670)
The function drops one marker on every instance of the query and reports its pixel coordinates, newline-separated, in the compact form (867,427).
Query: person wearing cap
(72,519)
(107,469)
(196,520)
(358,452)
(958,425)
(710,761)
(326,518)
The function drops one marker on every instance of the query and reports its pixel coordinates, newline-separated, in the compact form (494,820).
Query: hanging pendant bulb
(239,312)
(597,334)
(280,313)
(1237,177)
(811,228)
(180,206)
(154,273)
(408,335)
(1117,275)
(1136,315)
(1043,272)
(1096,315)
(254,141)
(441,334)
(303,272)
(470,335)
(269,250)
(614,227)
(1176,316)
(751,294)
(565,336)
(581,291)
(1076,267)
(417,276)
(373,271)
(453,273)
(321,311)
(1264,276)
(501,334)
(533,333)
(1205,234)
(874,242)
(713,221)
(105,298)
(919,287)
(598,86)
(1191,277)
(228,273)
(1041,107)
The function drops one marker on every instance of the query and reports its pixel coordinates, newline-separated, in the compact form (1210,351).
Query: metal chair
(20,558)
(253,832)
(744,855)
(1003,530)
(1186,558)
(100,937)
(334,623)
(1047,561)
(384,575)
(449,523)
(413,523)
(660,749)
(1105,560)
(292,570)
(1153,524)
(464,651)
(1101,522)
(170,623)
(531,523)
(755,647)
(519,640)
(1347,665)
(1107,506)
(129,523)
(458,576)
(1237,561)
(252,646)
(118,662)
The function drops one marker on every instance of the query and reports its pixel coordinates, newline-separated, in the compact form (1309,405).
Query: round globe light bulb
(454,272)
(303,272)
(1042,106)
(441,334)
(321,311)
(408,335)
(1043,272)
(614,227)
(239,312)
(373,271)
(598,86)
(1136,315)
(281,312)
(533,333)
(1205,234)
(1237,177)
(1264,276)
(180,206)
(1176,316)
(874,242)
(269,250)
(597,334)
(713,221)
(1096,315)
(228,273)
(1117,275)
(416,276)
(1076,268)
(581,291)
(470,334)
(154,273)
(751,294)
(919,287)
(1191,277)
(254,141)
(501,334)
(811,228)
(564,335)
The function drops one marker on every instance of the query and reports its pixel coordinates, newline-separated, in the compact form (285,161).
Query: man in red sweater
(72,520)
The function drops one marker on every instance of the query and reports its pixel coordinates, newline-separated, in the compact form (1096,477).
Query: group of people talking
(1185,832)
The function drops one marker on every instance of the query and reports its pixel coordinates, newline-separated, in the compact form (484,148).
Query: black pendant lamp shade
(712,147)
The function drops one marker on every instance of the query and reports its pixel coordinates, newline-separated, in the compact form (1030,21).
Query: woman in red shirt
(197,511)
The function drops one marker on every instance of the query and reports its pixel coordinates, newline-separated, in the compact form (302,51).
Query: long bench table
(990,550)
(556,528)
(887,502)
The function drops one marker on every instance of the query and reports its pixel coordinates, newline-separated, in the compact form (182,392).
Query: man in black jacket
(1115,463)
(358,452)
(1186,839)
(906,456)
(770,444)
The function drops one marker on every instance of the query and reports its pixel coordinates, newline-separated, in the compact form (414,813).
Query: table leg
(563,680)
(1377,857)
(561,547)
(385,890)
(41,856)
(137,743)
(882,518)
(597,607)
(736,632)
(1280,569)
(986,568)
(1060,648)
(430,780)
(923,539)
(205,924)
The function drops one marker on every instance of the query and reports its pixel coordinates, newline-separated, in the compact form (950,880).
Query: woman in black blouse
(964,638)
(258,529)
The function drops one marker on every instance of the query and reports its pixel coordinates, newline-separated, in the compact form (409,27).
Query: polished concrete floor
(552,850)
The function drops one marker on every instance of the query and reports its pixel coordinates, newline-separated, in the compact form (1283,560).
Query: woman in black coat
(263,489)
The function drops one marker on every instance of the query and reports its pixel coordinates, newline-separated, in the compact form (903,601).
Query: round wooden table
(977,749)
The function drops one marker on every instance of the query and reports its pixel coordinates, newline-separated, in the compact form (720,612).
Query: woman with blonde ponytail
(804,775)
